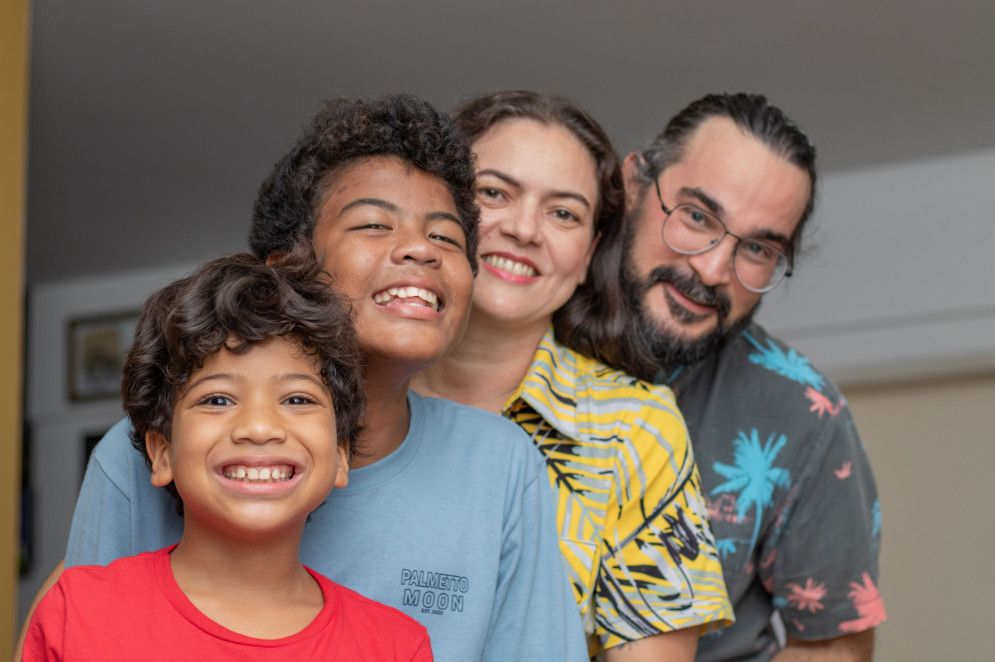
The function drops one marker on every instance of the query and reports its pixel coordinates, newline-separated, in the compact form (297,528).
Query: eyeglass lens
(759,266)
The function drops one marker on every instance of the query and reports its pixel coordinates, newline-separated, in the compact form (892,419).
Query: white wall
(900,284)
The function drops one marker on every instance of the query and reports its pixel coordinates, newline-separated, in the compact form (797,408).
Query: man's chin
(672,347)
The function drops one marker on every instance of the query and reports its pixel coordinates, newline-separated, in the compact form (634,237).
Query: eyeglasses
(759,265)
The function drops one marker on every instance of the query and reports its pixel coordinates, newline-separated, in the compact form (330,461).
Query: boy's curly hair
(345,130)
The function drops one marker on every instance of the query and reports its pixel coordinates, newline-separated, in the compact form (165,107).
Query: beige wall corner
(14,36)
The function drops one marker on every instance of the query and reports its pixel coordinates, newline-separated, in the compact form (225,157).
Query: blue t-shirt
(455,528)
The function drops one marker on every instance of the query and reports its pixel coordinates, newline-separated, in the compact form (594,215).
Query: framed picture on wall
(97,346)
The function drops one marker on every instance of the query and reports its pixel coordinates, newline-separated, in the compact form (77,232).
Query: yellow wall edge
(14,39)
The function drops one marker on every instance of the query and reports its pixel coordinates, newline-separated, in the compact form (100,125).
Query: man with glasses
(716,206)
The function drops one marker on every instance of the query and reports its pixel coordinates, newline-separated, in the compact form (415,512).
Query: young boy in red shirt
(245,392)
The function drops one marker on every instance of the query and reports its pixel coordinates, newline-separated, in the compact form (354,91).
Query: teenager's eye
(448,240)
(371,226)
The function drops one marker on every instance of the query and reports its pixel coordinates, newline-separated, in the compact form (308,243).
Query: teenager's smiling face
(253,445)
(391,240)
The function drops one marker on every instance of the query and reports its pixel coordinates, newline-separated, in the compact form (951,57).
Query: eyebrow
(514,182)
(708,201)
(716,208)
(221,376)
(392,208)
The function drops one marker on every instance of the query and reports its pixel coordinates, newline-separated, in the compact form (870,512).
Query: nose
(415,245)
(523,223)
(258,423)
(715,266)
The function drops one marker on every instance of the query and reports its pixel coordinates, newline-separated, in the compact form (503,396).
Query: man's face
(690,304)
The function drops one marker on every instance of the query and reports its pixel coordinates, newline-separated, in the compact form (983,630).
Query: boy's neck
(487,366)
(387,415)
(258,588)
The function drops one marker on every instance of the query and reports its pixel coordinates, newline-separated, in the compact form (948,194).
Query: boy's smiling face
(253,447)
(392,242)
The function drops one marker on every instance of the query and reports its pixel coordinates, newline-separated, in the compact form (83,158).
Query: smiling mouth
(276,473)
(511,266)
(408,296)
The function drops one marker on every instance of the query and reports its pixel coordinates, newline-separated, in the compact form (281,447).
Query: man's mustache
(691,287)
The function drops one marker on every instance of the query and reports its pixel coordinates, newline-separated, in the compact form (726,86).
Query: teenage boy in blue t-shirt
(245,394)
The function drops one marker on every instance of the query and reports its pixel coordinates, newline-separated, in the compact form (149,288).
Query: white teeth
(407,293)
(259,474)
(511,266)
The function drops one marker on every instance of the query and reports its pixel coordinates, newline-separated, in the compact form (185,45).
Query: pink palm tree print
(809,597)
(821,404)
(869,605)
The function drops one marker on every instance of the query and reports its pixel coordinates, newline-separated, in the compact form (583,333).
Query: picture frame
(97,347)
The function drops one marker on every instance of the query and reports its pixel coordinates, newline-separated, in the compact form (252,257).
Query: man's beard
(668,347)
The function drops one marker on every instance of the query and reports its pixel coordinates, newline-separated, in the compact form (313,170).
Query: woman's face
(537,187)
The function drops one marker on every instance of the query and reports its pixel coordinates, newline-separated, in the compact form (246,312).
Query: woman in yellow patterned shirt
(633,528)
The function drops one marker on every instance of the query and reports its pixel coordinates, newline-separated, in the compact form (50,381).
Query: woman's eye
(489,193)
(565,215)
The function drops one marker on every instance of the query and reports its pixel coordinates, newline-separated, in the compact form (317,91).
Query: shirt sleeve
(535,616)
(44,640)
(119,512)
(659,567)
(823,554)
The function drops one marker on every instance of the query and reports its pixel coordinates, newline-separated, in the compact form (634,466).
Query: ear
(157,446)
(587,259)
(630,174)
(342,467)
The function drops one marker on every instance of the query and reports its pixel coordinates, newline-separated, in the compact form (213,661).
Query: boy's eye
(216,400)
(299,399)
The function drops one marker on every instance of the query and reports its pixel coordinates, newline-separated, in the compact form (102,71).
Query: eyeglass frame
(739,241)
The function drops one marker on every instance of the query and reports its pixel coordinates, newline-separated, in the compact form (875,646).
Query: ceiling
(152,123)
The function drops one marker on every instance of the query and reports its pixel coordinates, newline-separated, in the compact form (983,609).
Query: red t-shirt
(133,609)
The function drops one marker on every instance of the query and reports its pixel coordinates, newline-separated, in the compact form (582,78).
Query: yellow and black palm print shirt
(632,520)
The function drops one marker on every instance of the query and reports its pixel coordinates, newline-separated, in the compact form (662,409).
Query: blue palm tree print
(876,521)
(792,365)
(754,475)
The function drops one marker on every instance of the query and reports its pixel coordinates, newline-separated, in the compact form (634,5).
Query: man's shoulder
(761,357)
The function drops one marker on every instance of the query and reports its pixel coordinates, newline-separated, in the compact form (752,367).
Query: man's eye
(490,193)
(759,252)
